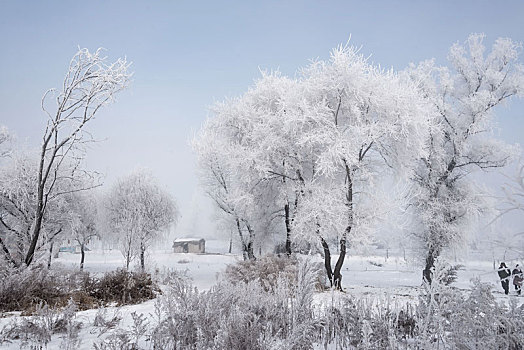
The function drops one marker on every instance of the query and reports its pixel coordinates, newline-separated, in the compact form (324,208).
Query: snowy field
(371,277)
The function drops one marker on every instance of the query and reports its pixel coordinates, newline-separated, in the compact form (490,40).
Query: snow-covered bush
(251,312)
(124,287)
(252,315)
(116,341)
(447,318)
(36,331)
(105,322)
(304,325)
(122,338)
(227,317)
(171,277)
(481,322)
(270,270)
(288,316)
(437,303)
(23,289)
(352,323)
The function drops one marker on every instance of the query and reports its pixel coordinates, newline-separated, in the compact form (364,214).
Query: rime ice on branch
(299,155)
(90,84)
(460,138)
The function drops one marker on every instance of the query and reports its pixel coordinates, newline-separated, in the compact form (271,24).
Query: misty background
(188,55)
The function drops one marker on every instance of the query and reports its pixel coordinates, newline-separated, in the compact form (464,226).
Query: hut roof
(189,239)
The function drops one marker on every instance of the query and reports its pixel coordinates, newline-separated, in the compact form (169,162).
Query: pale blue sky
(188,54)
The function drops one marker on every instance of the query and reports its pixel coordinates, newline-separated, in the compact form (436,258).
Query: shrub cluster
(123,287)
(37,331)
(270,270)
(249,315)
(24,289)
(449,319)
(260,313)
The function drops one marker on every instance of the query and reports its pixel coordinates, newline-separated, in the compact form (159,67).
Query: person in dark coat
(517,278)
(504,274)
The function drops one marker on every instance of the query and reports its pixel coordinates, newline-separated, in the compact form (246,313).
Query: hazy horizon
(188,56)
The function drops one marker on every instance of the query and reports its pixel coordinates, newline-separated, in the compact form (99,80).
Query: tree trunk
(36,232)
(128,259)
(7,254)
(250,244)
(288,229)
(39,212)
(327,260)
(337,275)
(50,255)
(247,248)
(142,257)
(250,252)
(82,256)
(244,245)
(430,263)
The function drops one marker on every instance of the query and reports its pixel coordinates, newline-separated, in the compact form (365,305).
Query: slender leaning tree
(90,84)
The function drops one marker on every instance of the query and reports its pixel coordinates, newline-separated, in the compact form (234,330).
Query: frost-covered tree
(90,84)
(461,139)
(82,220)
(228,184)
(251,163)
(5,138)
(137,211)
(277,107)
(513,190)
(359,120)
(17,197)
(308,148)
(232,170)
(511,203)
(18,200)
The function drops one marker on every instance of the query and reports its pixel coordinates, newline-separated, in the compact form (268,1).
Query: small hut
(189,245)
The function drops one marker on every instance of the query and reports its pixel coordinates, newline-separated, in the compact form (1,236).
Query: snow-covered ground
(202,268)
(372,277)
(364,273)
